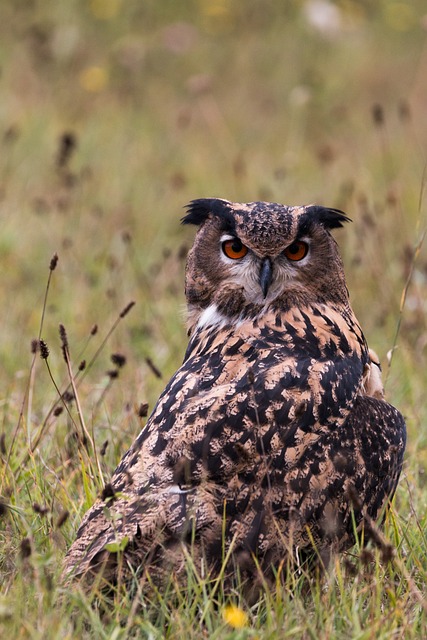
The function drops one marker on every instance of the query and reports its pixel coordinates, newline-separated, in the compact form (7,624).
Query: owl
(272,443)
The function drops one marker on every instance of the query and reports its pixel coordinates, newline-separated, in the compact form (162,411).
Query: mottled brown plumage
(273,421)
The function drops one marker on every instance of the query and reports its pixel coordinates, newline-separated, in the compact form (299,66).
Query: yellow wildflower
(105,9)
(235,616)
(93,79)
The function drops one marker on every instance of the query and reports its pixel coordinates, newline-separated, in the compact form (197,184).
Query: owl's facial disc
(263,277)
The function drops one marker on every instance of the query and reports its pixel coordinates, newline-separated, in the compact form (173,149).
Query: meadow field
(113,115)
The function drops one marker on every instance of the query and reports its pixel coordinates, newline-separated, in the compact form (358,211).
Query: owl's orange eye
(296,251)
(234,249)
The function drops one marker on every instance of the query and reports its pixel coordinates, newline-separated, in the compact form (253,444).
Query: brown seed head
(3,443)
(25,548)
(44,350)
(127,308)
(387,552)
(153,367)
(67,144)
(64,341)
(53,262)
(42,510)
(378,115)
(103,448)
(118,359)
(143,410)
(68,396)
(62,518)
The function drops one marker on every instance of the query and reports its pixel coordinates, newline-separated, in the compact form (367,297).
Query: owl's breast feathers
(267,423)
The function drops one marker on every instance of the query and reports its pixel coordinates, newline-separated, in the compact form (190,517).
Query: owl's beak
(265,275)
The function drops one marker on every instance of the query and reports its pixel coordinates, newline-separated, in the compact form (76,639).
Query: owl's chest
(256,381)
(270,361)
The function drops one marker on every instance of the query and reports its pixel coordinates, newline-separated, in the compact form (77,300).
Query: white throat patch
(211,317)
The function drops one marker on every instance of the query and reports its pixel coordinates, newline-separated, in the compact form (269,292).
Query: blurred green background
(113,115)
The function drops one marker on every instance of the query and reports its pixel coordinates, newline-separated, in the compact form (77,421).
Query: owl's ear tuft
(329,218)
(198,211)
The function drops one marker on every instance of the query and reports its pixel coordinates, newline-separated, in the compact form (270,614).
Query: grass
(115,114)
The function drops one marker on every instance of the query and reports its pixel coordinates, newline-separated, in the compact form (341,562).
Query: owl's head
(247,257)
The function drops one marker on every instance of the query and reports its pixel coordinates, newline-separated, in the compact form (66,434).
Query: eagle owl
(275,419)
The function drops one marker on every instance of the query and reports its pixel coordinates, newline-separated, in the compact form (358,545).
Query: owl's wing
(344,478)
